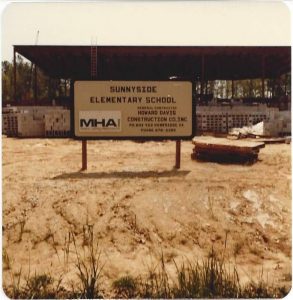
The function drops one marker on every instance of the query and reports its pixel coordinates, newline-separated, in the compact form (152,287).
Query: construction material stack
(36,121)
(10,121)
(221,119)
(28,126)
(225,150)
(57,123)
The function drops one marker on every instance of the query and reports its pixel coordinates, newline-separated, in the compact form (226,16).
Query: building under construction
(200,65)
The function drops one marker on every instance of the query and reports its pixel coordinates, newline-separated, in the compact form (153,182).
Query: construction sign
(133,109)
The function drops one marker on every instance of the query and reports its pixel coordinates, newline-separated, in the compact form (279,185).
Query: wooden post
(232,89)
(14,74)
(178,154)
(84,155)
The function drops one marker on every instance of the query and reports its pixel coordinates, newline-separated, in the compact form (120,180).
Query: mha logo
(103,123)
(100,121)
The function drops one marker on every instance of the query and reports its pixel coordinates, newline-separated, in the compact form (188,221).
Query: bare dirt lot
(139,206)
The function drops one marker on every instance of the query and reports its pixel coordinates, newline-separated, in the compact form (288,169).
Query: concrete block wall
(220,119)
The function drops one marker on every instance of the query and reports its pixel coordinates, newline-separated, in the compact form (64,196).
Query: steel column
(262,76)
(14,75)
(35,85)
(49,89)
(202,76)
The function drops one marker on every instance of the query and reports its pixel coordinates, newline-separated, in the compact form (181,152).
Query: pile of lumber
(225,150)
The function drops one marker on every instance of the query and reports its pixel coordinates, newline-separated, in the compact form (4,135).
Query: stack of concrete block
(214,122)
(279,124)
(5,123)
(10,124)
(28,126)
(216,118)
(57,123)
(36,121)
(39,112)
(9,121)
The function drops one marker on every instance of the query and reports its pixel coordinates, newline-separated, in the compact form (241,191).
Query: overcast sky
(145,23)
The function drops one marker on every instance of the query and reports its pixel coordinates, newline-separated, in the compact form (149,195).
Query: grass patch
(211,277)
(89,268)
(208,279)
(37,286)
(125,287)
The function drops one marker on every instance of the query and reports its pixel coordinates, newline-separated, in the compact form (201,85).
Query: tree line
(26,81)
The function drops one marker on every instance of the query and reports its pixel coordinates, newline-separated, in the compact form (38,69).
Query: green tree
(25,82)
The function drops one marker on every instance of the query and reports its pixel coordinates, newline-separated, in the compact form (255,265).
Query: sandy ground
(139,206)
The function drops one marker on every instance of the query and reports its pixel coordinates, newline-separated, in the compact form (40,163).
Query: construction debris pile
(36,121)
(278,124)
(246,131)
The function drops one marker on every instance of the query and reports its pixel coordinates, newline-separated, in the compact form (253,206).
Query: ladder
(94,62)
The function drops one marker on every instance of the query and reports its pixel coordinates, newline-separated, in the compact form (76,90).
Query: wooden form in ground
(209,147)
